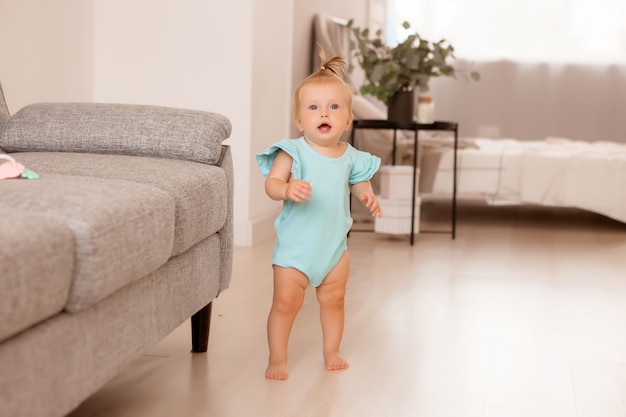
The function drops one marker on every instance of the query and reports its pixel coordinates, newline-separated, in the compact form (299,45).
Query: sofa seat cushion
(122,230)
(200,191)
(36,268)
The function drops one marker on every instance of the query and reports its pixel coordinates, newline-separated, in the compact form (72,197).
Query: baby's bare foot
(277,371)
(335,362)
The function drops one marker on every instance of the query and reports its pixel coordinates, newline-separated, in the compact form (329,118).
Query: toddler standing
(313,176)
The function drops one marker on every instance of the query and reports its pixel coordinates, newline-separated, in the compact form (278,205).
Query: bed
(552,172)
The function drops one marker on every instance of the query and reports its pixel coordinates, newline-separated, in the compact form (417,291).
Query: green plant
(405,66)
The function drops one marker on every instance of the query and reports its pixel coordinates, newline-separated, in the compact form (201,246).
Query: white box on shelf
(396,182)
(396,218)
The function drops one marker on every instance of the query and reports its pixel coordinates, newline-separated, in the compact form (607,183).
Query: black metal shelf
(415,127)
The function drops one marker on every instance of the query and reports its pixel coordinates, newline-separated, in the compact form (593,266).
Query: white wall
(271,94)
(46,51)
(241,59)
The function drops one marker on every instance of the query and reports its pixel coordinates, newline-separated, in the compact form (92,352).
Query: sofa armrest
(227,231)
(124,129)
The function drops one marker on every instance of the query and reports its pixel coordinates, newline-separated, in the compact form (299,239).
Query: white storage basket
(396,182)
(396,218)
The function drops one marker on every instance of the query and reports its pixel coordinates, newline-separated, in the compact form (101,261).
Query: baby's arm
(279,185)
(365,194)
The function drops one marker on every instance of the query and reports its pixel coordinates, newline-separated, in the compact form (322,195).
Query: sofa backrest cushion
(122,129)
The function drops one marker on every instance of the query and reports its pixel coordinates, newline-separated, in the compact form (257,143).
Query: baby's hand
(299,191)
(370,201)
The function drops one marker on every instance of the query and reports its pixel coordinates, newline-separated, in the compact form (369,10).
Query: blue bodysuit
(312,236)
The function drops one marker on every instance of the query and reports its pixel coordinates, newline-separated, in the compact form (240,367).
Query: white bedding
(554,172)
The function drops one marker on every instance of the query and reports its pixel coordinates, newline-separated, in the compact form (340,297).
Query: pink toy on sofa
(13,169)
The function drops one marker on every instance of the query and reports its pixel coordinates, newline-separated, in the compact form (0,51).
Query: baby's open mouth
(324,127)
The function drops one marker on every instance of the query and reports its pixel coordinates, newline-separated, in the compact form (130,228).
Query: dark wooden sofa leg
(200,323)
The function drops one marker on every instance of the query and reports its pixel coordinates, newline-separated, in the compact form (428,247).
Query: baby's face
(324,112)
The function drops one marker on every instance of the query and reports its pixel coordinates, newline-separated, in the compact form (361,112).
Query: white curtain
(534,101)
(548,67)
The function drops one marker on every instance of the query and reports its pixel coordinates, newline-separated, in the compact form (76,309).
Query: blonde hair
(332,70)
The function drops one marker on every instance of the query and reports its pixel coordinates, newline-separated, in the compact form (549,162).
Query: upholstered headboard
(334,36)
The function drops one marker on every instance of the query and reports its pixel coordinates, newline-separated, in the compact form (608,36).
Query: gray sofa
(125,235)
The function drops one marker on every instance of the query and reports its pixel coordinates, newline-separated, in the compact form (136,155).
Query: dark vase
(400,108)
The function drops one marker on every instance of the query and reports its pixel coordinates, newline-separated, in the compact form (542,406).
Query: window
(572,31)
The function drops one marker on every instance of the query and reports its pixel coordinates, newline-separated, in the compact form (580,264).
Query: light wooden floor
(524,314)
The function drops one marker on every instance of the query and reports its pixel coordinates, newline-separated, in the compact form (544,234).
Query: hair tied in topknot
(330,70)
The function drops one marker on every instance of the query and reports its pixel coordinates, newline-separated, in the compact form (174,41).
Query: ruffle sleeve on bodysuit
(265,159)
(364,168)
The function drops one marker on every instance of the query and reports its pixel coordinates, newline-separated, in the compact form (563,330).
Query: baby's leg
(289,287)
(330,295)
